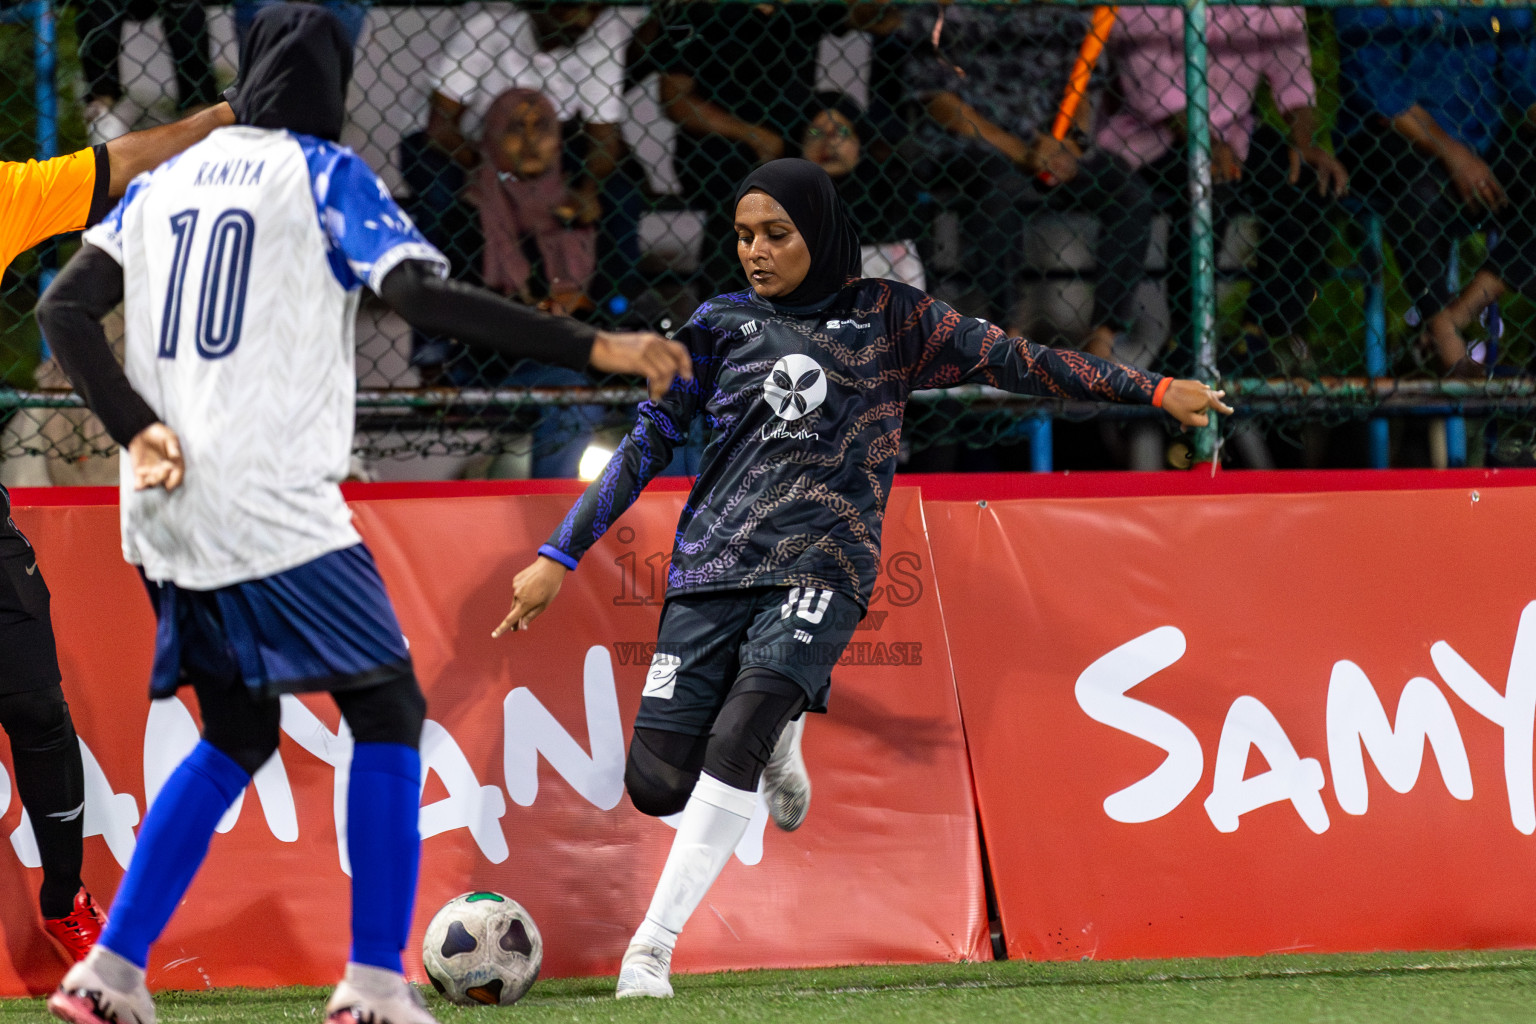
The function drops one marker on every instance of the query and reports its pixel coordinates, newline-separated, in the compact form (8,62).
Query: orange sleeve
(41,199)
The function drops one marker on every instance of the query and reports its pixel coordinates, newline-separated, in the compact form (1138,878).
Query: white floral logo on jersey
(796,387)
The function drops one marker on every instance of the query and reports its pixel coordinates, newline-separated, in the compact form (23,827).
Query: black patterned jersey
(804,412)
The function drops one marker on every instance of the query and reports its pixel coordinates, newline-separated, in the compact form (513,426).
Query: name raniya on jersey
(229,172)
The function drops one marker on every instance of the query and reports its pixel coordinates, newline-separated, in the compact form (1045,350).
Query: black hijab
(294,70)
(811,200)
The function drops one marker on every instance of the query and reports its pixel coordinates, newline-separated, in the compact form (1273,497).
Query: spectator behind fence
(537,250)
(736,79)
(99,26)
(574,55)
(872,179)
(1439,103)
(1420,119)
(1255,170)
(526,200)
(990,90)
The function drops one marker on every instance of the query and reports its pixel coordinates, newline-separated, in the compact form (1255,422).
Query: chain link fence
(1334,221)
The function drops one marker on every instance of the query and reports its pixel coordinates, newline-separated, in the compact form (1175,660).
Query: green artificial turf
(1400,988)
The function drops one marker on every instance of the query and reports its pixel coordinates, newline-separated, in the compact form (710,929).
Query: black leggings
(664,766)
(51,783)
(99,26)
(245,727)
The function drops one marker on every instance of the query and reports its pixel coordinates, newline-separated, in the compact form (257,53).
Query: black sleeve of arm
(484,319)
(946,349)
(659,429)
(101,193)
(70,313)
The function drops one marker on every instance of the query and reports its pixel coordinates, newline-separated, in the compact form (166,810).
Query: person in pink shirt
(1287,183)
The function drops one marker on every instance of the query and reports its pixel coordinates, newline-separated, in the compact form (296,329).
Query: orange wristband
(1162,389)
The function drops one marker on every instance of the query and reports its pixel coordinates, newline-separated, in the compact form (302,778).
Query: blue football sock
(383,805)
(171,847)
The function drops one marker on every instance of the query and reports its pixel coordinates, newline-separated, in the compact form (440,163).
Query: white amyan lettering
(530,731)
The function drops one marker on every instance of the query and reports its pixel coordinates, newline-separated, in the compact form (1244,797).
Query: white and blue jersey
(243,260)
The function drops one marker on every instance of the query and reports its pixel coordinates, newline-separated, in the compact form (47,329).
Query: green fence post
(1202,250)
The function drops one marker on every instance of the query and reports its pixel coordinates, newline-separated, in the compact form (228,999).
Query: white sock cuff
(712,791)
(653,934)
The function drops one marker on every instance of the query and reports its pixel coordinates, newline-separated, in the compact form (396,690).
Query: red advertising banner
(1252,723)
(524,754)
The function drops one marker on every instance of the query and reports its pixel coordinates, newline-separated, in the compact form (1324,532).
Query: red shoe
(78,932)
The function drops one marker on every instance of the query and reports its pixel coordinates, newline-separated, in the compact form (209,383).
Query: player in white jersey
(241,263)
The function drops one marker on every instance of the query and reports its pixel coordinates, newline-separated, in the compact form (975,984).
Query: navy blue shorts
(707,640)
(324,625)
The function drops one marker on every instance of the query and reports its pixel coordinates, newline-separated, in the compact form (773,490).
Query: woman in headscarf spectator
(540,248)
(526,199)
(573,53)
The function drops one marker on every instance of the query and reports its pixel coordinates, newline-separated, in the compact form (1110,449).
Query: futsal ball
(482,948)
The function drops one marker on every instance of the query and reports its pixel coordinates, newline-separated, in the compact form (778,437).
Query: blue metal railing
(38,14)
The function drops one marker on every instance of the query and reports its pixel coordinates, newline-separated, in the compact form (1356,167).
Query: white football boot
(104,988)
(373,995)
(645,972)
(786,785)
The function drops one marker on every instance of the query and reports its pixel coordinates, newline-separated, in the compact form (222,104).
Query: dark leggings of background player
(802,381)
(39,199)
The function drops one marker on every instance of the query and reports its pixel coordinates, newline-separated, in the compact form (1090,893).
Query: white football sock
(714,821)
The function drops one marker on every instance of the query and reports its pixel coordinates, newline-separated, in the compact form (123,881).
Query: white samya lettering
(1357,724)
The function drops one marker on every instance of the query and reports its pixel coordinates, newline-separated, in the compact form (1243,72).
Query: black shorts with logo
(28,657)
(707,640)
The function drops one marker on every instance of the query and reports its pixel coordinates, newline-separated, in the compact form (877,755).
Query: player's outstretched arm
(132,154)
(944,349)
(660,425)
(482,318)
(646,451)
(532,591)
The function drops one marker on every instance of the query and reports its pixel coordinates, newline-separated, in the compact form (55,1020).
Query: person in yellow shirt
(40,199)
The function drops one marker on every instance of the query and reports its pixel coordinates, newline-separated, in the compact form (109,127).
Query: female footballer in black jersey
(802,381)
